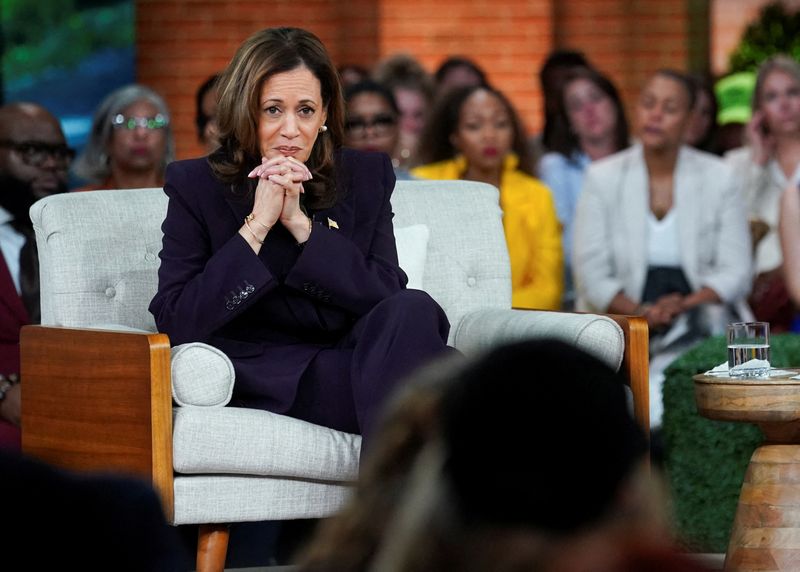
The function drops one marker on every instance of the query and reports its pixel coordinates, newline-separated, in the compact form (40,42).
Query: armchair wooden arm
(636,363)
(99,400)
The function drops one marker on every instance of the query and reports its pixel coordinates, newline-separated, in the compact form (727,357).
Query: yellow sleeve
(533,235)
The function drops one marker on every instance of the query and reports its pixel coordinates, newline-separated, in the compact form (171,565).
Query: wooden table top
(784,379)
(752,400)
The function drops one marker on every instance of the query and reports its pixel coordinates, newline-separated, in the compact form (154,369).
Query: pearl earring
(323,129)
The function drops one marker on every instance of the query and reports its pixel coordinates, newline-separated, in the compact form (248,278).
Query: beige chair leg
(212,547)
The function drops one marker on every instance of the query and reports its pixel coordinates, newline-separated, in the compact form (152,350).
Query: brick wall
(509,39)
(626,39)
(181,42)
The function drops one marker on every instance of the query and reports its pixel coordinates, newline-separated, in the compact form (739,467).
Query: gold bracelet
(252,217)
(250,230)
(310,226)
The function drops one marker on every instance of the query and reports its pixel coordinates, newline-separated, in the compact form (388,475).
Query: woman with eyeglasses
(371,123)
(474,134)
(130,143)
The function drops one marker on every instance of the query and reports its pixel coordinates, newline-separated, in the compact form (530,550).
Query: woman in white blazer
(661,229)
(765,166)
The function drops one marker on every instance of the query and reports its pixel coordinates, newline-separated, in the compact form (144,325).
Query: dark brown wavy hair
(563,138)
(436,140)
(261,56)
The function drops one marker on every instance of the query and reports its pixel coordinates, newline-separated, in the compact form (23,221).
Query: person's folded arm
(200,291)
(730,275)
(352,279)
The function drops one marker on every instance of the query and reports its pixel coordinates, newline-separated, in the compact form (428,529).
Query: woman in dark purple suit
(279,248)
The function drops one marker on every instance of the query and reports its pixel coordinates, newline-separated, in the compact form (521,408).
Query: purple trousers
(345,386)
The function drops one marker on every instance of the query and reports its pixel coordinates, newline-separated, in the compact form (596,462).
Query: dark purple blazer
(271,313)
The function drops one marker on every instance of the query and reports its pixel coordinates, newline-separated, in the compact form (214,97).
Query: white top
(610,242)
(663,242)
(762,187)
(11,243)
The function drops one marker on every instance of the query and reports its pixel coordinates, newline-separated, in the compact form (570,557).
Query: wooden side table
(766,529)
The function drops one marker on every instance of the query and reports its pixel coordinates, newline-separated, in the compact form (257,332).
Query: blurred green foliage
(777,30)
(51,33)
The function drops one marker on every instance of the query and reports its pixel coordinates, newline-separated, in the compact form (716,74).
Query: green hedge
(705,460)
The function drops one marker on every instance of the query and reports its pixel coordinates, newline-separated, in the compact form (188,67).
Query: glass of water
(748,349)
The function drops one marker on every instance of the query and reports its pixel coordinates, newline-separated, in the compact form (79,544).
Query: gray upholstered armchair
(103,390)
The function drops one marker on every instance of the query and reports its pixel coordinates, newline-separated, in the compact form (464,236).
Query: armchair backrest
(98,256)
(98,251)
(467,266)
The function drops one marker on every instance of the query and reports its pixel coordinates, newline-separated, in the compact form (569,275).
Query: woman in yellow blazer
(474,134)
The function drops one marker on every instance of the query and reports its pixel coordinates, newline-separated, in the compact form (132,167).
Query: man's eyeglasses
(381,124)
(119,121)
(35,153)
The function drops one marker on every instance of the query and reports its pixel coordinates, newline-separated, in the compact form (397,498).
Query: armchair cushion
(598,335)
(233,440)
(202,375)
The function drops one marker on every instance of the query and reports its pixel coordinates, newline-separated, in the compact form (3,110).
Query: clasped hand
(664,310)
(277,196)
(762,144)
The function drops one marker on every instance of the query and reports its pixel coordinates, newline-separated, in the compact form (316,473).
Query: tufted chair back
(466,263)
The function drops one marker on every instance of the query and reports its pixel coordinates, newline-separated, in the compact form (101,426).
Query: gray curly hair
(92,164)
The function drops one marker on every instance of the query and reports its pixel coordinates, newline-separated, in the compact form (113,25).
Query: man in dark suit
(34,159)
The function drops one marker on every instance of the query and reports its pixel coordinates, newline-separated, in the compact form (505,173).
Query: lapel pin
(332,223)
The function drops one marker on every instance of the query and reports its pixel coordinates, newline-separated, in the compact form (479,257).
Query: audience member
(442,492)
(60,520)
(371,123)
(34,161)
(130,143)
(702,130)
(556,67)
(458,71)
(734,99)
(412,88)
(660,231)
(285,241)
(474,134)
(590,125)
(351,74)
(206,114)
(765,167)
